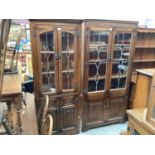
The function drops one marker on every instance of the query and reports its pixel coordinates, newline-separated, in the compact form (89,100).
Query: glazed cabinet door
(96,61)
(120,62)
(70,114)
(96,77)
(48,60)
(68,62)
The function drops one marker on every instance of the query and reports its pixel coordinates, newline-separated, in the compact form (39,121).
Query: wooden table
(137,122)
(22,121)
(12,95)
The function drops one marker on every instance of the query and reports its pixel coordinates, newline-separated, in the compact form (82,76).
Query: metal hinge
(85,91)
(78,33)
(34,34)
(87,33)
(110,57)
(86,64)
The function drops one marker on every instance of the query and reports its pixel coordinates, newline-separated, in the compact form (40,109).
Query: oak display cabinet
(85,68)
(108,56)
(56,54)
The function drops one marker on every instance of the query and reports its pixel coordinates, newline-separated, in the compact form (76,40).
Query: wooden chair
(47,126)
(42,112)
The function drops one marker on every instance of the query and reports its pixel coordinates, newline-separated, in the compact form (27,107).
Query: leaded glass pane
(118,83)
(97,60)
(48,82)
(67,60)
(47,62)
(47,41)
(120,59)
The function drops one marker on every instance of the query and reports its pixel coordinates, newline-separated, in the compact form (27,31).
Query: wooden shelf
(44,52)
(48,73)
(117,60)
(126,54)
(116,76)
(126,46)
(99,78)
(95,44)
(97,60)
(146,60)
(45,88)
(146,46)
(65,52)
(68,71)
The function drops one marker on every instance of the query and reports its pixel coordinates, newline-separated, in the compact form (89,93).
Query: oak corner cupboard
(56,54)
(109,49)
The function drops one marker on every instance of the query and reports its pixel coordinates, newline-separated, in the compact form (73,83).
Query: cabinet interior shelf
(48,73)
(68,71)
(65,52)
(46,88)
(96,44)
(126,54)
(53,52)
(98,78)
(117,60)
(120,76)
(45,52)
(97,60)
(103,77)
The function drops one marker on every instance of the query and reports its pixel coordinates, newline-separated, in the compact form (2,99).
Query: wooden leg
(15,115)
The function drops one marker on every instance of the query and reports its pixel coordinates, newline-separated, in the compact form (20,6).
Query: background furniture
(150,116)
(140,88)
(137,122)
(12,95)
(144,50)
(141,119)
(109,49)
(10,86)
(56,55)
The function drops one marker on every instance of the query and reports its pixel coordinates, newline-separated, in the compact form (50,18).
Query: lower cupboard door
(53,109)
(116,109)
(94,113)
(70,115)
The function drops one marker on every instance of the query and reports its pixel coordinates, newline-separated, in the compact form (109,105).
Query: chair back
(47,126)
(42,112)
